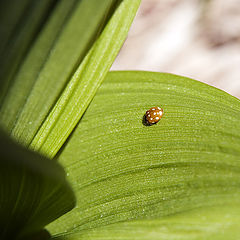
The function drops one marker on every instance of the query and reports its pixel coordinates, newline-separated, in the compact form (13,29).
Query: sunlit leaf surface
(220,223)
(83,85)
(179,178)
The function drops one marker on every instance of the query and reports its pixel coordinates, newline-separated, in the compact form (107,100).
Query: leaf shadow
(145,122)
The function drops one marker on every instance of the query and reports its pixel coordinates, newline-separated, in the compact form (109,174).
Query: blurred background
(199,39)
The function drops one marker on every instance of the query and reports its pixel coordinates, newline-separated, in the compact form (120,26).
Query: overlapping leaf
(33,191)
(124,171)
(84,83)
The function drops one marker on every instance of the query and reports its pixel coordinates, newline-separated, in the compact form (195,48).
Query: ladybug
(153,115)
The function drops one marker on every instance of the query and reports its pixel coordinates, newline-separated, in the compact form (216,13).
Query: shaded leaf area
(33,191)
(219,222)
(61,45)
(84,83)
(122,170)
(20,22)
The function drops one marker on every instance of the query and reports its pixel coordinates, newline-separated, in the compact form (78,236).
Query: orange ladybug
(154,114)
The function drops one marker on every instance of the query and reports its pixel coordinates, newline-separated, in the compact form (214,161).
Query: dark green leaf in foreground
(178,179)
(33,191)
(20,22)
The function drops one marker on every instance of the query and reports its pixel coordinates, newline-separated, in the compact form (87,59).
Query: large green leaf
(33,191)
(65,39)
(186,166)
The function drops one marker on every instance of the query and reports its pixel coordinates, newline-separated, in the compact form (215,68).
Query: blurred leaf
(62,44)
(33,190)
(30,69)
(9,23)
(124,171)
(83,85)
(20,22)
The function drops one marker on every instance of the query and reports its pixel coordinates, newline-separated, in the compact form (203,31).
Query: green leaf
(20,23)
(221,223)
(85,82)
(33,191)
(8,23)
(63,42)
(33,64)
(124,171)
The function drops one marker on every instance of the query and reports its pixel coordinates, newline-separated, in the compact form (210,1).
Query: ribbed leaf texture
(178,179)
